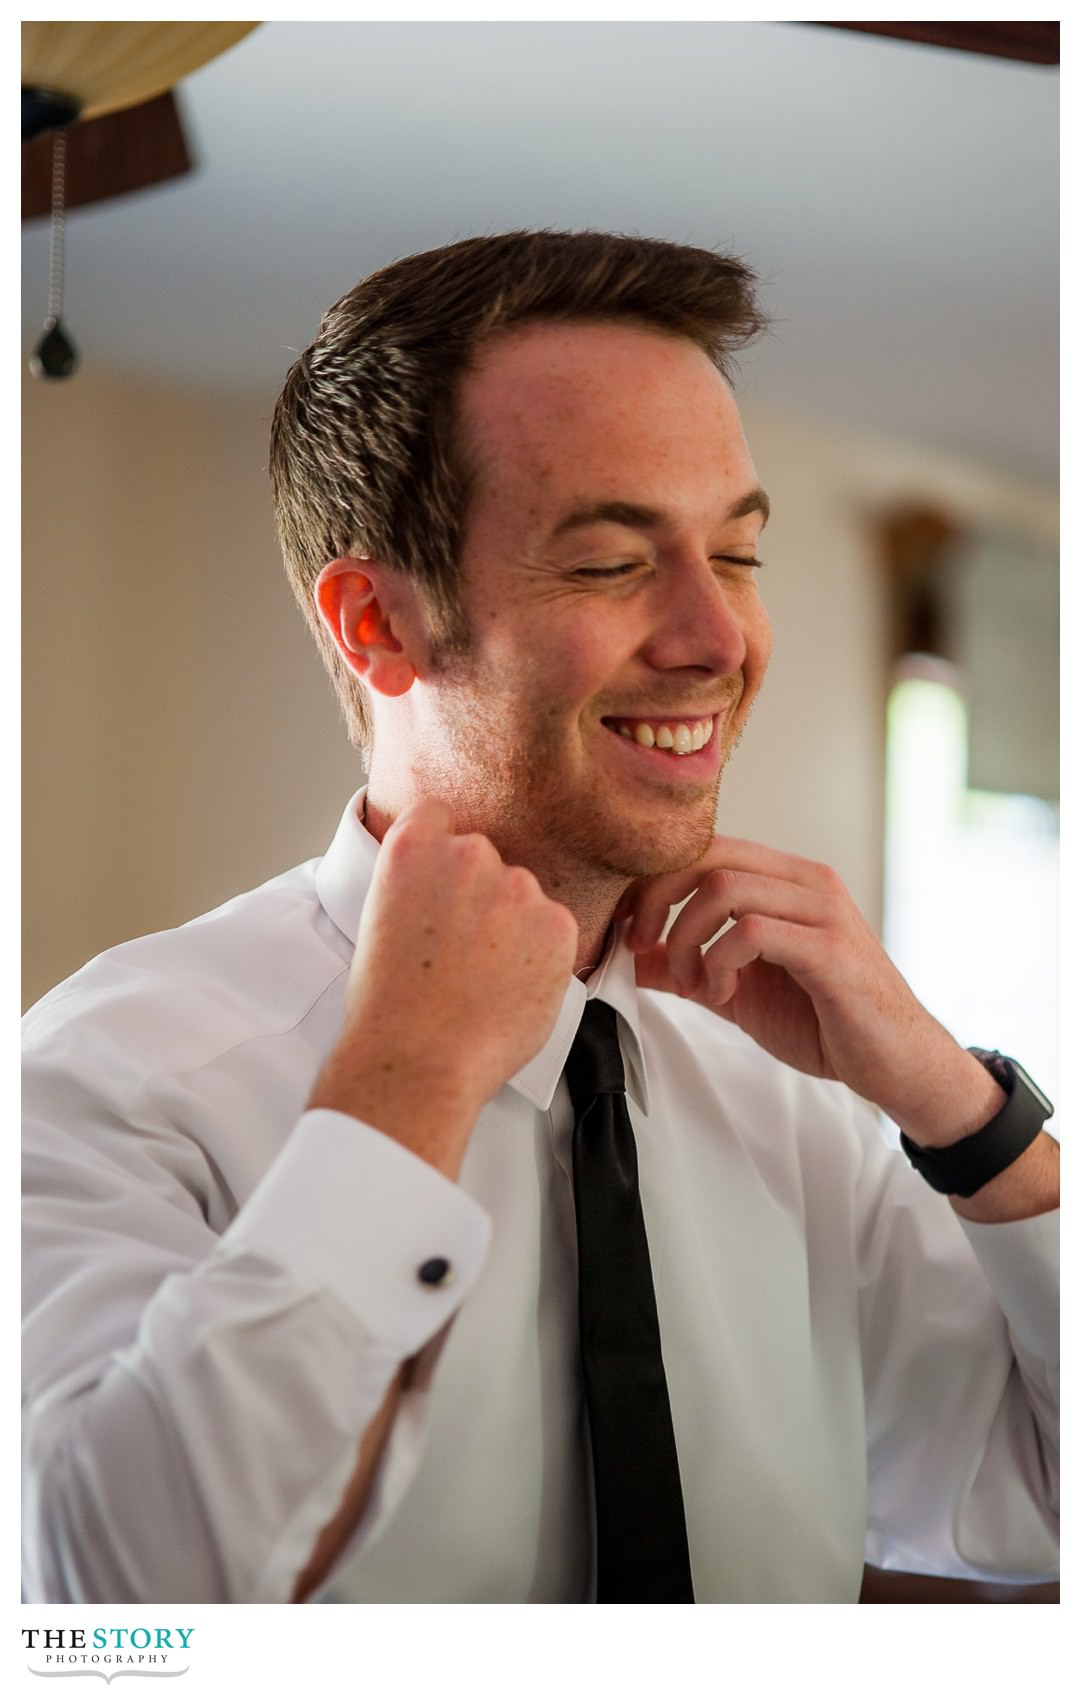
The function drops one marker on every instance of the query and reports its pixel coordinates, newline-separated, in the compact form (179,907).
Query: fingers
(427,817)
(461,961)
(714,986)
(650,900)
(786,944)
(651,970)
(725,895)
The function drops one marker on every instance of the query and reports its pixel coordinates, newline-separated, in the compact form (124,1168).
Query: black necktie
(641,1533)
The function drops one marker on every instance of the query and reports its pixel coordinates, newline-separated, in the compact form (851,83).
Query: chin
(672,846)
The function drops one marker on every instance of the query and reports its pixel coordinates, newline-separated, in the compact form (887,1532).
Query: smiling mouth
(674,737)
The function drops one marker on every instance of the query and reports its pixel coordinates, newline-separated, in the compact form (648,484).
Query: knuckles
(520,884)
(753,929)
(407,837)
(828,880)
(563,925)
(474,851)
(721,882)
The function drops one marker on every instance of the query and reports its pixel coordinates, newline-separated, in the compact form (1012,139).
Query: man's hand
(802,972)
(460,968)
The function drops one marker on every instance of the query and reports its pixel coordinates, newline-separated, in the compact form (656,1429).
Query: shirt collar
(614,982)
(345,872)
(342,879)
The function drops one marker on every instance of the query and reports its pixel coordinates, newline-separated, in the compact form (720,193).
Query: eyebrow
(651,519)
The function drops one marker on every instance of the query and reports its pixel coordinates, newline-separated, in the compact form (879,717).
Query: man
(307,1199)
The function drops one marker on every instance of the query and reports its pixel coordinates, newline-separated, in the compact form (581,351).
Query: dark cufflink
(437,1272)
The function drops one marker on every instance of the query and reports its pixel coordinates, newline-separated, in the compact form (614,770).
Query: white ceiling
(900,202)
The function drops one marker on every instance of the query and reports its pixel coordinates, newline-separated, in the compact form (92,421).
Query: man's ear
(363,605)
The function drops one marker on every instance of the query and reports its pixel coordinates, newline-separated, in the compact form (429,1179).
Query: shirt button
(437,1272)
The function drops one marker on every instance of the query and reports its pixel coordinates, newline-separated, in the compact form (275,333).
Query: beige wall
(181,744)
(179,741)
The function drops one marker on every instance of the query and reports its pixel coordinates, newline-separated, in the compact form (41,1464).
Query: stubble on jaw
(509,783)
(565,835)
(574,838)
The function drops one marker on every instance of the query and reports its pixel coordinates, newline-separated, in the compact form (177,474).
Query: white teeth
(682,739)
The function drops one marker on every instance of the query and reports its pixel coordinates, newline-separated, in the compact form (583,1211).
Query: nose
(701,617)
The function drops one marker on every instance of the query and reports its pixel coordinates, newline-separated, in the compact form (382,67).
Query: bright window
(971,895)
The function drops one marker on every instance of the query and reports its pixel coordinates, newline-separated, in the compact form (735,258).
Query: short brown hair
(364,455)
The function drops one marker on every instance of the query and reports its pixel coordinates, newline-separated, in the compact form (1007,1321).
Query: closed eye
(620,571)
(625,567)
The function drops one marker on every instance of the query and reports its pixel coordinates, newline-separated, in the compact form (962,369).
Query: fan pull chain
(56,355)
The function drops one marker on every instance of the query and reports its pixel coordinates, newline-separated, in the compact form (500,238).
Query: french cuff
(1020,1262)
(344,1206)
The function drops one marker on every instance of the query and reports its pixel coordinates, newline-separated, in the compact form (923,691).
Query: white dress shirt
(220,1286)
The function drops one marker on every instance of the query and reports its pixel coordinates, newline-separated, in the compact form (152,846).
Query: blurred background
(899,199)
(900,202)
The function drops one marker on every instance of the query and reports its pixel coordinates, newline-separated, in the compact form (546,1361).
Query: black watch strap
(964,1167)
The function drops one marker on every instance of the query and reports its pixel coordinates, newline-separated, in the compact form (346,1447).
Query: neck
(591,955)
(594,912)
(591,895)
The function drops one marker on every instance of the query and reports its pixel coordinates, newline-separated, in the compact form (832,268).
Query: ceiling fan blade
(1037,44)
(135,148)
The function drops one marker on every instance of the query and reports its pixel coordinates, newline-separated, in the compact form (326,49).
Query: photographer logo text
(108,1652)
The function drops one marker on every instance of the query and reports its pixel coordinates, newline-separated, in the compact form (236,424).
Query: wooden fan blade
(135,148)
(1038,44)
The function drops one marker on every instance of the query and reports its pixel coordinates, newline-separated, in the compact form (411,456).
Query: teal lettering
(184,1635)
(99,1638)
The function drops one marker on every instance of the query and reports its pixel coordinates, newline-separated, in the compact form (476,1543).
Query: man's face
(612,602)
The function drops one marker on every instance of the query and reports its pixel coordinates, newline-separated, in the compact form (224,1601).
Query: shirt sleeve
(194,1400)
(959,1330)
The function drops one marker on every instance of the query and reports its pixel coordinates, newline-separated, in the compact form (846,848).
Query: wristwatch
(964,1167)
